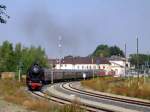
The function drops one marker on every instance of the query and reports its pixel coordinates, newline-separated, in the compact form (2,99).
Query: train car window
(99,67)
(90,67)
(82,67)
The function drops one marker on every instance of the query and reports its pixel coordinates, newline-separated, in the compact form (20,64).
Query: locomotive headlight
(35,69)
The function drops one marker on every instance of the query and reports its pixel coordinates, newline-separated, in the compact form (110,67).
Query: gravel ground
(9,107)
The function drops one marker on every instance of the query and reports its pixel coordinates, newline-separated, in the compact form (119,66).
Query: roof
(80,60)
(116,58)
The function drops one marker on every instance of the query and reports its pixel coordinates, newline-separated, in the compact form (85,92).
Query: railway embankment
(131,87)
(10,107)
(11,95)
(14,97)
(14,94)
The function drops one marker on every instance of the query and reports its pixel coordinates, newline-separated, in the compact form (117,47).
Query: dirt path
(9,107)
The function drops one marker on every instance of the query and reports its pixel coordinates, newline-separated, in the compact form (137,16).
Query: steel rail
(63,101)
(98,95)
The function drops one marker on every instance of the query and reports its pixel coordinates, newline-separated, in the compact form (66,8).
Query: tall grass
(9,87)
(71,108)
(14,91)
(128,87)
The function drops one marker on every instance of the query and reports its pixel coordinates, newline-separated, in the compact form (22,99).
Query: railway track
(137,104)
(63,101)
(68,89)
(98,95)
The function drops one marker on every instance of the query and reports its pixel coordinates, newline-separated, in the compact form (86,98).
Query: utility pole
(148,64)
(93,66)
(60,46)
(52,75)
(19,70)
(125,58)
(19,75)
(138,59)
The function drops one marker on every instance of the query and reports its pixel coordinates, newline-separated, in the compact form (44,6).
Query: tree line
(17,57)
(143,60)
(107,51)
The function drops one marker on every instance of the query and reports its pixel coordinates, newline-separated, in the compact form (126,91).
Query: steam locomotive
(35,77)
(38,76)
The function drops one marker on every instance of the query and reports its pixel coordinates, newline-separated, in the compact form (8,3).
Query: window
(90,67)
(103,67)
(82,67)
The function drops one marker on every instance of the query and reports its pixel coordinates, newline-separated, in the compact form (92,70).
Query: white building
(118,65)
(115,64)
(81,63)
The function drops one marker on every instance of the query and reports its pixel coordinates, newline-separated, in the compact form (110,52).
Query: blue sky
(82,24)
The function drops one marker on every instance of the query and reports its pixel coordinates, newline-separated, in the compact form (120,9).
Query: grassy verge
(128,87)
(13,91)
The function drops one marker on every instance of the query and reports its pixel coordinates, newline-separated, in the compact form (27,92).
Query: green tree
(143,59)
(17,56)
(32,54)
(12,59)
(116,51)
(102,51)
(106,51)
(3,15)
(6,56)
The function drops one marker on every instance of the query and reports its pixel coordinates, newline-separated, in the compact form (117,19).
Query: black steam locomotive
(37,76)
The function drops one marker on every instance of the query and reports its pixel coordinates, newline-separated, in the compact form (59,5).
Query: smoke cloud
(44,28)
